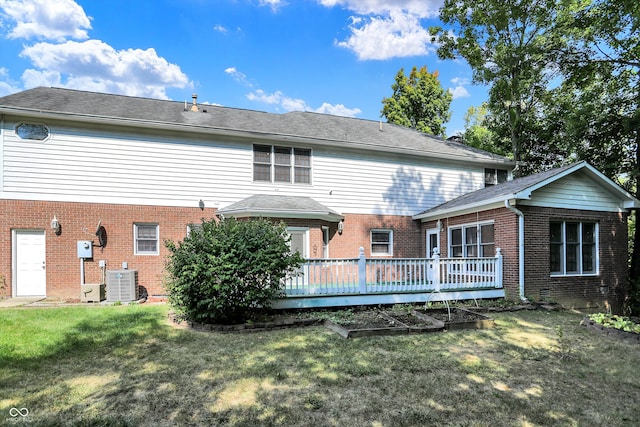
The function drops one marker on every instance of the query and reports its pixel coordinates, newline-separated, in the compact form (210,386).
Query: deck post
(362,272)
(436,269)
(498,268)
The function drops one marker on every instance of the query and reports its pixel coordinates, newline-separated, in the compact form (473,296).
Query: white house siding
(90,165)
(575,191)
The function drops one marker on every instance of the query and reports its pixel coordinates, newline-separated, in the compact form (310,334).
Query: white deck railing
(392,275)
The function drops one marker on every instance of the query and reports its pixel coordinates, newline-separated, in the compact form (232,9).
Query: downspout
(520,215)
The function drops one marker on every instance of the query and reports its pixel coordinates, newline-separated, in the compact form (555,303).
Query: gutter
(520,215)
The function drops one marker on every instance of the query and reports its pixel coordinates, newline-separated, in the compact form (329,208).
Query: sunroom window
(573,248)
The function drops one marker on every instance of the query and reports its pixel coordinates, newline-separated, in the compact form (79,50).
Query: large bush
(228,271)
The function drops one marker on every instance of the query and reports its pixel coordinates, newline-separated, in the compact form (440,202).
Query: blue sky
(329,56)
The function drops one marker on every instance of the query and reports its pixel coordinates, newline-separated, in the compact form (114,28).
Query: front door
(29,263)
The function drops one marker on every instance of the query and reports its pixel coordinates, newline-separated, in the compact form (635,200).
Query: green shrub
(228,271)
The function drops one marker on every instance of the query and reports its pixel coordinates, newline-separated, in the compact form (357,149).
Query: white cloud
(459,92)
(221,29)
(460,81)
(422,8)
(383,37)
(45,19)
(238,76)
(273,4)
(338,110)
(383,29)
(88,65)
(295,104)
(94,65)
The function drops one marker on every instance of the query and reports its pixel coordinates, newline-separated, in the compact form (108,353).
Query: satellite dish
(102,234)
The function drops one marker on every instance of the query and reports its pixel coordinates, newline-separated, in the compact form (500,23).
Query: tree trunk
(634,268)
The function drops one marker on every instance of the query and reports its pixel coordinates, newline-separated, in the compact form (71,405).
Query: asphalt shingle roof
(284,206)
(503,190)
(316,128)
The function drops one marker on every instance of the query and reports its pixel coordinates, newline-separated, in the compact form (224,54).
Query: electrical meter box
(85,249)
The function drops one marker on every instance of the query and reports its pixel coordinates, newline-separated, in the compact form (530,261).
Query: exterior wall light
(55,225)
(201,204)
(340,227)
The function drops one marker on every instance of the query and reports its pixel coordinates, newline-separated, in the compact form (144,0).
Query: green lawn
(128,366)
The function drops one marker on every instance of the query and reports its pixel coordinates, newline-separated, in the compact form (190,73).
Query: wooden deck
(366,281)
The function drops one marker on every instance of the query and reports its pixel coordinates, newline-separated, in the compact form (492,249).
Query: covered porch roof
(277,206)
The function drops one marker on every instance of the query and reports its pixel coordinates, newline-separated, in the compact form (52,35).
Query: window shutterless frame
(146,239)
(573,248)
(277,164)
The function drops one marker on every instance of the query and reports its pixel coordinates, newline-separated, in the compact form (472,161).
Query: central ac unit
(121,286)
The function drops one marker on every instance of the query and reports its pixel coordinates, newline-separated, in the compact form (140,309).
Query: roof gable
(527,188)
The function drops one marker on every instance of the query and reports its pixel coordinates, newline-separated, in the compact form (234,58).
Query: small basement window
(32,131)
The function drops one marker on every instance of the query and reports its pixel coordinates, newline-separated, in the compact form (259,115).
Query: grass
(118,366)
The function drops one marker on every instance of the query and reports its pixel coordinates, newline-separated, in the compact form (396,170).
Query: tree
(228,271)
(418,102)
(477,132)
(510,46)
(602,66)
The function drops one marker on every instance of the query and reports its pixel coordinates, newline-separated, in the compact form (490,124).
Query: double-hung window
(281,164)
(495,176)
(472,241)
(573,248)
(146,239)
(381,242)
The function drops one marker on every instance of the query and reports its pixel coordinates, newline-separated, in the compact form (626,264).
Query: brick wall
(79,222)
(606,290)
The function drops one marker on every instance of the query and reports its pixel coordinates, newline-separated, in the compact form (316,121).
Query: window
(197,228)
(146,239)
(281,164)
(573,248)
(495,176)
(381,242)
(32,131)
(472,241)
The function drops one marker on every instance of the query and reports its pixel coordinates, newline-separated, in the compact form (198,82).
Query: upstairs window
(573,248)
(281,164)
(495,176)
(32,131)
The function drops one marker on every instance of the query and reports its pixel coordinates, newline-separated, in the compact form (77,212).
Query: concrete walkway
(18,302)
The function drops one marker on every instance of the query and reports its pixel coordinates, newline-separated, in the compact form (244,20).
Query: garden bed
(619,334)
(457,318)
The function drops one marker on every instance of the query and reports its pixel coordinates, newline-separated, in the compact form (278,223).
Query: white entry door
(433,241)
(30,263)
